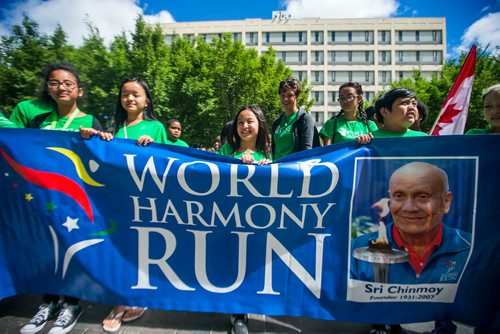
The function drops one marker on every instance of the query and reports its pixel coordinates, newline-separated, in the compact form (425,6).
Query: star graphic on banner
(50,206)
(71,224)
(28,197)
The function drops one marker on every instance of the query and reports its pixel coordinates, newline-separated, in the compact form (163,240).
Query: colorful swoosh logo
(80,169)
(53,181)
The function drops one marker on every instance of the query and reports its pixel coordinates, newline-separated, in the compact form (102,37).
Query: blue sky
(467,21)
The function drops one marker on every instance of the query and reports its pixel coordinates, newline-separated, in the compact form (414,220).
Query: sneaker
(444,327)
(240,324)
(379,329)
(66,319)
(45,312)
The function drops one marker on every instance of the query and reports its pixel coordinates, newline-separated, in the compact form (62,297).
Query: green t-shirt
(154,129)
(177,142)
(86,121)
(25,111)
(283,137)
(227,149)
(476,131)
(345,130)
(6,123)
(381,133)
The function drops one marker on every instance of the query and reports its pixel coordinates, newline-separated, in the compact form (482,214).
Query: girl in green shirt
(352,120)
(134,117)
(62,89)
(249,139)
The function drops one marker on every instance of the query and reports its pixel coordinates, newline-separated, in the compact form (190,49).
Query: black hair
(388,98)
(226,132)
(173,120)
(370,113)
(120,116)
(45,74)
(422,111)
(290,83)
(263,139)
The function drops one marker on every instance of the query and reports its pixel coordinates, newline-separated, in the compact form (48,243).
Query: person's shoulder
(478,131)
(413,133)
(37,103)
(225,149)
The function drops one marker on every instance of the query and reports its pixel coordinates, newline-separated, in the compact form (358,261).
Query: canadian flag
(453,114)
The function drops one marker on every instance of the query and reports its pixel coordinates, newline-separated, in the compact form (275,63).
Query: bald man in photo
(419,197)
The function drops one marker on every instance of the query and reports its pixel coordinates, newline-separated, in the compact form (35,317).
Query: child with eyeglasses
(61,91)
(352,120)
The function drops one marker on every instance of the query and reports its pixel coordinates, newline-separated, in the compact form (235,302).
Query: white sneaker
(66,319)
(39,320)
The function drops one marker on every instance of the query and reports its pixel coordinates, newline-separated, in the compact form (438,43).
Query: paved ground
(17,310)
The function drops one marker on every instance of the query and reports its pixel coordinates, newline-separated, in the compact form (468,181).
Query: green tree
(149,59)
(23,55)
(94,65)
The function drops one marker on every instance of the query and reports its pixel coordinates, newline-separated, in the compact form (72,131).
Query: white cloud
(340,8)
(485,31)
(111,17)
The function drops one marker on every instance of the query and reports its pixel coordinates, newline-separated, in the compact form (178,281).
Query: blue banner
(315,234)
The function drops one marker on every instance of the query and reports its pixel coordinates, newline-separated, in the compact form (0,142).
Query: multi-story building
(329,52)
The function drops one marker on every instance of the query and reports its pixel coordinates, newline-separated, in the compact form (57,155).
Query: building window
(435,56)
(400,56)
(349,36)
(316,36)
(349,56)
(333,36)
(316,56)
(300,36)
(367,56)
(401,74)
(367,76)
(384,76)
(283,36)
(384,56)
(349,75)
(283,56)
(367,36)
(267,37)
(417,36)
(417,58)
(334,76)
(316,76)
(251,38)
(384,38)
(400,36)
(300,57)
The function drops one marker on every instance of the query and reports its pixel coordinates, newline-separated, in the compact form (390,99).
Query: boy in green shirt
(174,130)
(397,111)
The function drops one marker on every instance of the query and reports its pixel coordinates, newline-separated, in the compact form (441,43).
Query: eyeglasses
(54,84)
(347,98)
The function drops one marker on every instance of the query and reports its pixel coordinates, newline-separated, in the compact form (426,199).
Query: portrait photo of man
(419,199)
